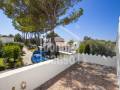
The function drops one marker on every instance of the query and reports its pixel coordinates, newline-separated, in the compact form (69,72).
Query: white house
(6,39)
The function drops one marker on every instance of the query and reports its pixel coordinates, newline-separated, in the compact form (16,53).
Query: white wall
(118,53)
(34,75)
(102,60)
(37,74)
(7,39)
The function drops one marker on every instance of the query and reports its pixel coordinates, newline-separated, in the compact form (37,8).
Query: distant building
(6,39)
(59,41)
(62,44)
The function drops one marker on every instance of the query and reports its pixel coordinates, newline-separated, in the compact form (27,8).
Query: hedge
(2,65)
(11,51)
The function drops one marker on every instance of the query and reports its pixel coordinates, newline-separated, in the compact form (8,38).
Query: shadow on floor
(83,76)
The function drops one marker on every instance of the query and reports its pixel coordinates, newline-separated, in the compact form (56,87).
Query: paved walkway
(27,56)
(83,76)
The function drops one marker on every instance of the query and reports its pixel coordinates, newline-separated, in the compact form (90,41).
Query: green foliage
(1,44)
(1,52)
(87,49)
(11,51)
(81,48)
(98,47)
(51,34)
(10,35)
(87,38)
(18,38)
(14,64)
(2,65)
(16,44)
(71,42)
(11,63)
(35,15)
(19,62)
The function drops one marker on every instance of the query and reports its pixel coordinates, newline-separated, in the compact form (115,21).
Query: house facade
(6,39)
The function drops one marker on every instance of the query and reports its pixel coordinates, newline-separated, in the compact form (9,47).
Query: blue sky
(100,21)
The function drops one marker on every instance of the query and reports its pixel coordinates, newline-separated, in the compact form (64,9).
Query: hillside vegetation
(97,47)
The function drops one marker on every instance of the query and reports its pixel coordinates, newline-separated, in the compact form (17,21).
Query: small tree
(18,38)
(51,34)
(81,49)
(71,42)
(10,35)
(87,38)
(87,49)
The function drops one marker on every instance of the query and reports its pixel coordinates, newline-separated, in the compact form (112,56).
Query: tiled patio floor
(83,76)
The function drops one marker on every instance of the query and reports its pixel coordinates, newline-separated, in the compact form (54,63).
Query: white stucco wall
(37,74)
(98,59)
(7,39)
(34,75)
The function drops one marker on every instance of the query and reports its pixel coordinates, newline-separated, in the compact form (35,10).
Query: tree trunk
(38,34)
(53,41)
(35,37)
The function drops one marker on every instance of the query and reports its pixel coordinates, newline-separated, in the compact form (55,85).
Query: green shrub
(10,63)
(1,44)
(17,44)
(97,47)
(84,48)
(2,65)
(1,53)
(11,51)
(87,49)
(18,64)
(81,49)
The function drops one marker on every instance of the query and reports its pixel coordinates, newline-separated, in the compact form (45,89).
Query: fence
(98,59)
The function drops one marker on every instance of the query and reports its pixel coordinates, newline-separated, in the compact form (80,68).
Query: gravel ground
(27,56)
(83,76)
